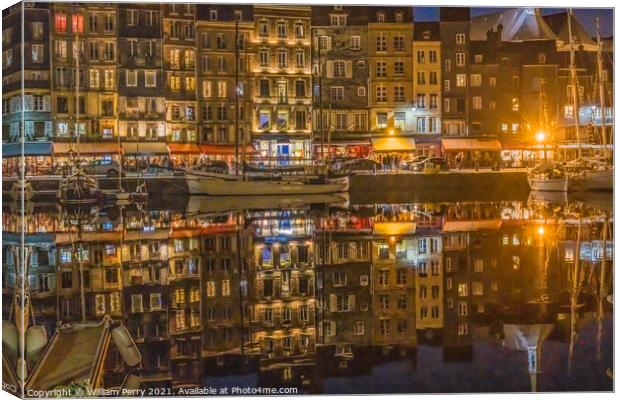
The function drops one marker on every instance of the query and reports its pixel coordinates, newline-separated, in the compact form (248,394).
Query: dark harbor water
(313,295)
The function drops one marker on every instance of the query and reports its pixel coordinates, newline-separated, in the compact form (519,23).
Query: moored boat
(548,177)
(215,184)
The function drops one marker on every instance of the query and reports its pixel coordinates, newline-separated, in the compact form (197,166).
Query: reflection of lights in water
(541,230)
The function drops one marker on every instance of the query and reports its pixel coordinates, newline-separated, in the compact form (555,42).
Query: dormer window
(338,8)
(398,17)
(381,17)
(213,15)
(426,35)
(339,20)
(238,15)
(478,58)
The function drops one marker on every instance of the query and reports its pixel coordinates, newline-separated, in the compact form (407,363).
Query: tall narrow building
(454,33)
(218,27)
(180,75)
(281,46)
(390,33)
(141,102)
(340,66)
(427,88)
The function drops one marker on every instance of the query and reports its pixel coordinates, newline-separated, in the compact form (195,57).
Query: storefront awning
(183,148)
(470,144)
(224,149)
(147,148)
(391,144)
(30,149)
(86,148)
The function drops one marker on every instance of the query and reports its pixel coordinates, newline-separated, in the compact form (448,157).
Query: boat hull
(213,186)
(548,185)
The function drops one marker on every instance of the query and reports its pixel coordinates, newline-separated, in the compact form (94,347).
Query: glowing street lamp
(541,136)
(391,132)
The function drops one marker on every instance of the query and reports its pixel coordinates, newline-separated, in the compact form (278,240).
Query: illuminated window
(174,82)
(461,80)
(460,38)
(477,103)
(463,290)
(460,59)
(77,23)
(515,104)
(60,22)
(190,83)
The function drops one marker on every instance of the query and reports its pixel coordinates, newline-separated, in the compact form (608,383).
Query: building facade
(281,122)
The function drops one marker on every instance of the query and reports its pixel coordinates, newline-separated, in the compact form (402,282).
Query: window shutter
(333,330)
(161,107)
(122,104)
(161,130)
(349,69)
(48,128)
(47,103)
(332,303)
(329,43)
(329,67)
(141,104)
(351,302)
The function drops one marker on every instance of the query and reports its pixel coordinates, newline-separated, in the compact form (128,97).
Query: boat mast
(236,95)
(601,84)
(574,82)
(76,54)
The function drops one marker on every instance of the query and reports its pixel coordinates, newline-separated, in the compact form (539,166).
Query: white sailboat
(214,184)
(548,177)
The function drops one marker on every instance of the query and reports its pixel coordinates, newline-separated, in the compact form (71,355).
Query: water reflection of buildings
(296,296)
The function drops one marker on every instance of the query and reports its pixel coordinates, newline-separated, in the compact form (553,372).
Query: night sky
(585,15)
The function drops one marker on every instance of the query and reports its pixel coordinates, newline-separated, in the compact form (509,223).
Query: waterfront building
(217,53)
(340,63)
(141,84)
(281,44)
(178,24)
(390,33)
(427,83)
(36,124)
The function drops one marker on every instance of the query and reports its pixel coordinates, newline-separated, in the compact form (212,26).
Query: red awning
(471,144)
(183,148)
(224,149)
